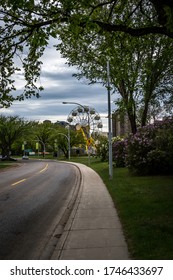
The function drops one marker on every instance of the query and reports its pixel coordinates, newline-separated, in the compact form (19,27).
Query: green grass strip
(145,207)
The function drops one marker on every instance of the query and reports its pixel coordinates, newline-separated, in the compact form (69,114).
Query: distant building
(62,123)
(47,121)
(120,124)
(103,133)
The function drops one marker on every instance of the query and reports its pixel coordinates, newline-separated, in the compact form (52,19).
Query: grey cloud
(59,85)
(58,76)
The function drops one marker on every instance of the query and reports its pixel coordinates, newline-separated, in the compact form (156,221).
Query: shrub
(118,148)
(150,150)
(103,148)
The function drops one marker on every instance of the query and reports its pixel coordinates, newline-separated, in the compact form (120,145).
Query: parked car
(3,158)
(25,157)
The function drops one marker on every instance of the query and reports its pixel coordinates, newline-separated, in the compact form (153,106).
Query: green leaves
(12,128)
(27,25)
(20,4)
(169,14)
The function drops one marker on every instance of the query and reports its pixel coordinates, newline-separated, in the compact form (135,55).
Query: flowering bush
(150,150)
(102,148)
(118,148)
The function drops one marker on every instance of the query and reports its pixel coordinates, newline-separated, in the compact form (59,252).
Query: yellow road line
(18,182)
(42,170)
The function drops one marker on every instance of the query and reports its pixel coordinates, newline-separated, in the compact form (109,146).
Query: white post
(109,122)
(69,142)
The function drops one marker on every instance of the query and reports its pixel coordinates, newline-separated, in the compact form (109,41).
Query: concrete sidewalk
(93,231)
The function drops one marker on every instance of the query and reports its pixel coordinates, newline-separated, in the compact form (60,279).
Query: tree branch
(135,32)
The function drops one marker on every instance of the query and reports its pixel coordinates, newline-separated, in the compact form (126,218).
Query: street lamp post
(44,147)
(69,142)
(56,147)
(23,147)
(109,122)
(68,138)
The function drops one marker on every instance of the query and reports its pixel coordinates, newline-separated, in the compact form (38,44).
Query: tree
(42,133)
(12,128)
(156,78)
(26,27)
(61,138)
(145,80)
(141,69)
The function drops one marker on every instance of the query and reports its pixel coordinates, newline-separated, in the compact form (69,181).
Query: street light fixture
(86,109)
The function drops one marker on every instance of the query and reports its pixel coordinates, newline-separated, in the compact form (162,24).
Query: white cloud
(59,86)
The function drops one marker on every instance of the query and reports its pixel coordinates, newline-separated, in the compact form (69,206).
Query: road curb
(58,234)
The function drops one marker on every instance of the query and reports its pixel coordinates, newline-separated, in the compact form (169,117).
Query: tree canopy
(12,128)
(140,68)
(15,131)
(27,25)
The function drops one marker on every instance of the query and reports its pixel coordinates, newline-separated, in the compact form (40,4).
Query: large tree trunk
(144,115)
(132,119)
(129,105)
(148,97)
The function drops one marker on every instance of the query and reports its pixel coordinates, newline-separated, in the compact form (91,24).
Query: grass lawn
(4,164)
(145,207)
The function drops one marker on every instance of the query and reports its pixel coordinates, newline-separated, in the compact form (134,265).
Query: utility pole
(109,122)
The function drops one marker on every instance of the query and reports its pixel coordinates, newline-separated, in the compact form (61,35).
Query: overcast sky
(59,86)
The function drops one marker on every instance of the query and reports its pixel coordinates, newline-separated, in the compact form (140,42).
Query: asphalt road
(33,197)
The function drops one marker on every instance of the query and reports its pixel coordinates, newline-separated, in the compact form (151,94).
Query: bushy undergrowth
(149,151)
